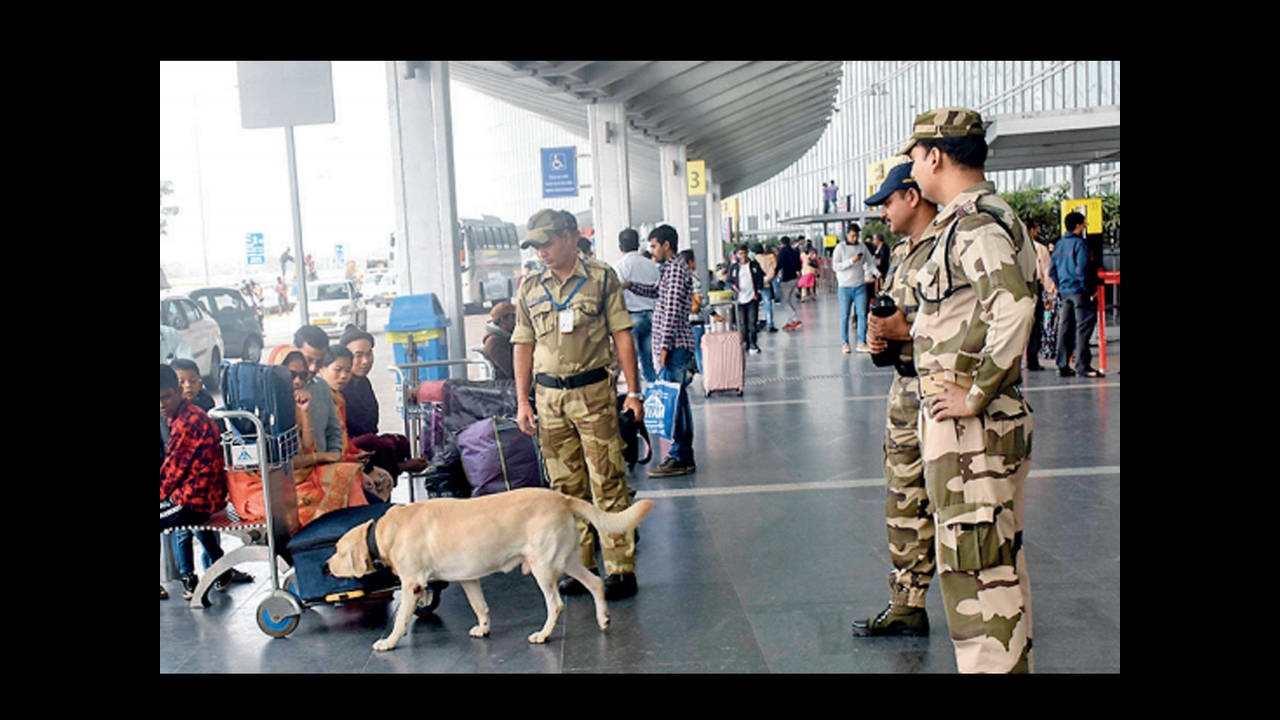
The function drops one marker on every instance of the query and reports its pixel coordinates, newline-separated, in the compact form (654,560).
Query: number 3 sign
(697,175)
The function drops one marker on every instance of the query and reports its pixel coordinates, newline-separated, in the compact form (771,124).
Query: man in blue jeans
(634,267)
(672,341)
(1070,270)
(853,268)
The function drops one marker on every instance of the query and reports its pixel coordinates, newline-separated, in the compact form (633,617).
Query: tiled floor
(759,561)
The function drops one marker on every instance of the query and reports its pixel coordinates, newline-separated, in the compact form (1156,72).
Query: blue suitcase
(314,544)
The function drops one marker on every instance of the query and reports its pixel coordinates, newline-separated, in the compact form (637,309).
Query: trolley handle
(399,369)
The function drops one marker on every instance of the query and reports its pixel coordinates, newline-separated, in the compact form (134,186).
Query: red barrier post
(1108,277)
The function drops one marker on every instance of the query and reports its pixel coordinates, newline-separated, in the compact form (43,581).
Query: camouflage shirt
(904,260)
(977,295)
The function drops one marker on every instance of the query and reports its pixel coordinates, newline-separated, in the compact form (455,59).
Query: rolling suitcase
(724,361)
(314,544)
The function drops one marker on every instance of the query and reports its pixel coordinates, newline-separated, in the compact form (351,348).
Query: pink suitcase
(723,361)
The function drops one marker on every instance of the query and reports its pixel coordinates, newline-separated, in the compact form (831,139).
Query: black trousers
(748,318)
(1037,329)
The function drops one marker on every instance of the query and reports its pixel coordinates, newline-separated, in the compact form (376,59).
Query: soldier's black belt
(589,377)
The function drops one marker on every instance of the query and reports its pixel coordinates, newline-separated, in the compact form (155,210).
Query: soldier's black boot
(894,620)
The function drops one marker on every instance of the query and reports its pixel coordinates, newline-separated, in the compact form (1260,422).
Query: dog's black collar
(371,541)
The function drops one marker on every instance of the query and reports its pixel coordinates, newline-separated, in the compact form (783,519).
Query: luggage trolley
(296,556)
(415,412)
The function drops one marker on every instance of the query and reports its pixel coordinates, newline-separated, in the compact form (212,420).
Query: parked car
(380,289)
(199,331)
(239,321)
(335,304)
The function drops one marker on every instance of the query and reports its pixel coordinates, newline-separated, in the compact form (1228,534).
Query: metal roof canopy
(862,216)
(1074,136)
(748,120)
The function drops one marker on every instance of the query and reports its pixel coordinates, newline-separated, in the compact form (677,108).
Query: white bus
(490,261)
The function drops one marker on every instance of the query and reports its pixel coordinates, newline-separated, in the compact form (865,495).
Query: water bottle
(882,307)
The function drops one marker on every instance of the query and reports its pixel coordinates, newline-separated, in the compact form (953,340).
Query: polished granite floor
(759,561)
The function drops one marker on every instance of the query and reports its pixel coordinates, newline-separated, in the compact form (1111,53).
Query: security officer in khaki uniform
(565,316)
(977,293)
(908,514)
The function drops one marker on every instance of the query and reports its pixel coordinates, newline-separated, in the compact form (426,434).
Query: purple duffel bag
(498,457)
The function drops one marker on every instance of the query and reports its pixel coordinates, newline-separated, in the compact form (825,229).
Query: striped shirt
(674,292)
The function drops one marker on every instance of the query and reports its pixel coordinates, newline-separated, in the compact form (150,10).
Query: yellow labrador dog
(464,540)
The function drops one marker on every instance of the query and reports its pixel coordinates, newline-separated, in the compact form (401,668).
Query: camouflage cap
(546,224)
(945,122)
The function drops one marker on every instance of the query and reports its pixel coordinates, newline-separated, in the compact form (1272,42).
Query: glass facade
(878,101)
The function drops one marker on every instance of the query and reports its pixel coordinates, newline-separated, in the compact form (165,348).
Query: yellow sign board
(696,173)
(829,240)
(1091,208)
(877,171)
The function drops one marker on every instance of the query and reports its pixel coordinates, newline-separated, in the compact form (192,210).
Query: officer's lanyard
(562,306)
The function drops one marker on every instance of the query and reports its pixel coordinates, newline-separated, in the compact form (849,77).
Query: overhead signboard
(560,172)
(278,93)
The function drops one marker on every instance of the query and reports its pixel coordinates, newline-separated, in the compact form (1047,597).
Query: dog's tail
(610,523)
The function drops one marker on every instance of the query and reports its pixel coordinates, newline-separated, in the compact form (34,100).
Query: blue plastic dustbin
(417,332)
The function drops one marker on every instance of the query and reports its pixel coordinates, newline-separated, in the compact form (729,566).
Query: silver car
(334,304)
(200,334)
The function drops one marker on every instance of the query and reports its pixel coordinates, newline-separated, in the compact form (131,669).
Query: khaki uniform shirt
(598,307)
(977,296)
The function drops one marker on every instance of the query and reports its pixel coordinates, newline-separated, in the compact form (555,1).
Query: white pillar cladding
(427,238)
(610,184)
(715,233)
(674,184)
(1077,181)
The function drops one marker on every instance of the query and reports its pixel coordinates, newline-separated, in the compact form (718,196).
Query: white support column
(427,235)
(675,189)
(1077,182)
(715,233)
(610,177)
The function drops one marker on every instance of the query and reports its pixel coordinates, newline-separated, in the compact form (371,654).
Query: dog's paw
(538,637)
(603,621)
(384,644)
(480,631)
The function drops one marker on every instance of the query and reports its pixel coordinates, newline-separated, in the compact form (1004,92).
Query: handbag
(660,402)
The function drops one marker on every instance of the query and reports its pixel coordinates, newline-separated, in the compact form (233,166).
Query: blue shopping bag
(660,399)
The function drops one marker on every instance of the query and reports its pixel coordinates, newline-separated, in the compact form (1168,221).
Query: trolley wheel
(739,393)
(273,628)
(429,600)
(708,393)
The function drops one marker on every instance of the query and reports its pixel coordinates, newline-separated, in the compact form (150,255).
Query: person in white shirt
(636,268)
(746,279)
(853,266)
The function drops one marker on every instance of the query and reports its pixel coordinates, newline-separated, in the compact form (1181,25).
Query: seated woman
(334,372)
(390,451)
(323,480)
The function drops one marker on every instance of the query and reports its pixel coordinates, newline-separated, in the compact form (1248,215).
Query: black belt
(589,377)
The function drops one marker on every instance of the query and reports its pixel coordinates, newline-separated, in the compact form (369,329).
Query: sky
(229,182)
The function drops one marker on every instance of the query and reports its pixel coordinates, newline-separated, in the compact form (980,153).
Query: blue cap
(899,179)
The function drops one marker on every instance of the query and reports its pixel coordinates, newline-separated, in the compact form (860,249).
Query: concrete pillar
(427,237)
(610,178)
(675,189)
(715,229)
(1077,182)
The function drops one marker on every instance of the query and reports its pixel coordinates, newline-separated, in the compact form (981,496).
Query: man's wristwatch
(635,395)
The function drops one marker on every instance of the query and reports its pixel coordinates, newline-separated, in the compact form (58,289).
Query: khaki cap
(546,224)
(945,122)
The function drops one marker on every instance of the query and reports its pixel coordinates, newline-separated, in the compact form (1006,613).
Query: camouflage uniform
(908,514)
(578,427)
(977,292)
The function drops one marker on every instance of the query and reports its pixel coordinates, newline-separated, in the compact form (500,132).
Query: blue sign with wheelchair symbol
(559,172)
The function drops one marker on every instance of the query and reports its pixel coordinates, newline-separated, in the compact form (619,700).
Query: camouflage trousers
(908,514)
(974,471)
(582,450)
